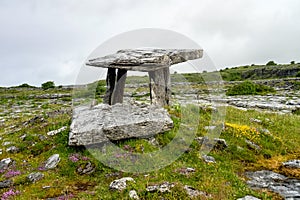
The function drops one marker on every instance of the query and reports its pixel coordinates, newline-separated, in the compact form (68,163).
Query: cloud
(50,39)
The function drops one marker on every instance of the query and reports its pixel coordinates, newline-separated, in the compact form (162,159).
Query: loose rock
(192,192)
(165,187)
(252,145)
(120,184)
(12,149)
(5,184)
(35,176)
(209,159)
(133,195)
(5,163)
(52,133)
(86,169)
(292,164)
(286,187)
(248,198)
(52,162)
(217,143)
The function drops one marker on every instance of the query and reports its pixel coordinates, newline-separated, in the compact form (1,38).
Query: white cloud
(50,39)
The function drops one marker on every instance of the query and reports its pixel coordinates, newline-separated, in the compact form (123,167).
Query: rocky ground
(255,159)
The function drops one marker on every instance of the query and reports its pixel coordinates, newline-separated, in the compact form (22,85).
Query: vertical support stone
(110,83)
(167,84)
(160,86)
(118,93)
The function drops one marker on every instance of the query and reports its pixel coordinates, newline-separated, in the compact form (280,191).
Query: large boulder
(103,123)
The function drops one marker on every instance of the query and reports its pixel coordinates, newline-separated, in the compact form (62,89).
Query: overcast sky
(43,40)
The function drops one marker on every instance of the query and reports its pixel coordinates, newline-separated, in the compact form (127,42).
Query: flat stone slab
(145,59)
(103,123)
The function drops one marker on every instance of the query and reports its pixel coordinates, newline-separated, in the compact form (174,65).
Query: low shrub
(249,88)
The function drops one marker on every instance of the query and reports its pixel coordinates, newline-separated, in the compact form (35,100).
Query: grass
(222,180)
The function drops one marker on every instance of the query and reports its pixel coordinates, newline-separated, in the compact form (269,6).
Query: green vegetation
(222,180)
(271,63)
(48,85)
(249,88)
(25,85)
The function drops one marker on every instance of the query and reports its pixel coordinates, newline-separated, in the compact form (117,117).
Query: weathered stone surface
(292,164)
(12,149)
(52,161)
(165,187)
(133,195)
(217,143)
(104,122)
(252,145)
(54,132)
(88,168)
(186,171)
(120,184)
(209,159)
(35,176)
(5,184)
(192,192)
(286,187)
(248,198)
(145,59)
(5,163)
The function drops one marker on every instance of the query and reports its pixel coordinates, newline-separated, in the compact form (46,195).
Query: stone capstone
(103,123)
(146,59)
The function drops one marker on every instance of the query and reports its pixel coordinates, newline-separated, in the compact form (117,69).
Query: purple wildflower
(9,193)
(85,158)
(66,197)
(74,158)
(12,173)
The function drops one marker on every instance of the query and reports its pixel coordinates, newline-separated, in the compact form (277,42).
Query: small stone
(5,163)
(22,137)
(192,192)
(133,195)
(209,128)
(248,198)
(217,143)
(165,187)
(52,162)
(252,145)
(6,143)
(5,183)
(292,164)
(86,169)
(186,171)
(1,151)
(120,184)
(35,176)
(42,137)
(52,133)
(255,120)
(12,149)
(209,159)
